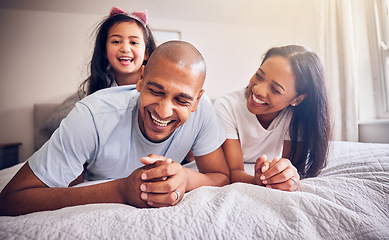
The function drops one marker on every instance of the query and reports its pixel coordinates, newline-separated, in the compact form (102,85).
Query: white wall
(44,57)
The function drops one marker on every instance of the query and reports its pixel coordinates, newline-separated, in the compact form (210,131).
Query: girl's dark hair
(100,75)
(309,129)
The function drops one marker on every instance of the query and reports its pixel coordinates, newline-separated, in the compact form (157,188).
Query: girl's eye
(134,43)
(115,42)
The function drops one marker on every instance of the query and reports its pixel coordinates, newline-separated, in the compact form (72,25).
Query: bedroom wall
(44,56)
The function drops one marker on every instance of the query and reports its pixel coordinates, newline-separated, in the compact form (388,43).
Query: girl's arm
(234,156)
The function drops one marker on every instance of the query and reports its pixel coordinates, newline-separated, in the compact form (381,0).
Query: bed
(348,200)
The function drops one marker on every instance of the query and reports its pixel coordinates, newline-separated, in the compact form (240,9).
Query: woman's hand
(278,174)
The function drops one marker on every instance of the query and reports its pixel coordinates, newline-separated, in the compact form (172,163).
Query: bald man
(133,137)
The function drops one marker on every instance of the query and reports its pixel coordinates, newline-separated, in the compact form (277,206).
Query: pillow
(60,113)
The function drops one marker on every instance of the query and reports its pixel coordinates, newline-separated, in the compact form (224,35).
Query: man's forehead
(193,67)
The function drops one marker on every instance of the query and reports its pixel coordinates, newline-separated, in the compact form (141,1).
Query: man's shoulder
(205,107)
(111,99)
(205,101)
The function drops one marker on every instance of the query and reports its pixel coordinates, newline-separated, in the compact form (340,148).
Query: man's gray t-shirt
(103,131)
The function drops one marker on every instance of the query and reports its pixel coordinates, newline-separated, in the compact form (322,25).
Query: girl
(286,112)
(123,44)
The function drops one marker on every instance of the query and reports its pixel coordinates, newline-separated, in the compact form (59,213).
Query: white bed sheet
(348,200)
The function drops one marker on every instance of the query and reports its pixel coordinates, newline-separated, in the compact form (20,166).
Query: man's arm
(25,193)
(213,171)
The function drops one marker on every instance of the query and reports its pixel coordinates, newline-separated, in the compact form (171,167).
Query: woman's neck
(266,119)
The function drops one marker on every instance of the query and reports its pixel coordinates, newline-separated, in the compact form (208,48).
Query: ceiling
(242,12)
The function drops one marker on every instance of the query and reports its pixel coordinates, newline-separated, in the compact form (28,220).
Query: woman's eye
(275,90)
(259,77)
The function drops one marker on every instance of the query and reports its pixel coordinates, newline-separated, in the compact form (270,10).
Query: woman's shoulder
(285,115)
(282,120)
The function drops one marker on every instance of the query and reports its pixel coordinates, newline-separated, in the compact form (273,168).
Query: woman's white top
(240,123)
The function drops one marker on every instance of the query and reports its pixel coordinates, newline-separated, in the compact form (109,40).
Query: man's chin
(157,138)
(158,134)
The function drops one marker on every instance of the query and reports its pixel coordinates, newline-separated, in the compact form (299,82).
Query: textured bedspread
(348,200)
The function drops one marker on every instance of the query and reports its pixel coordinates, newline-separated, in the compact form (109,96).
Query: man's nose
(164,109)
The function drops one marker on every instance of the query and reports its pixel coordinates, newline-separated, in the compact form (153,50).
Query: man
(114,131)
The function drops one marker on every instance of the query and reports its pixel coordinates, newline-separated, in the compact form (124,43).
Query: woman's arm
(287,148)
(234,156)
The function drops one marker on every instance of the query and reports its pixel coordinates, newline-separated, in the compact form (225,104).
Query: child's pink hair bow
(137,15)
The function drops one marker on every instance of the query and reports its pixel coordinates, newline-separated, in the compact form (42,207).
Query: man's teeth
(257,100)
(158,122)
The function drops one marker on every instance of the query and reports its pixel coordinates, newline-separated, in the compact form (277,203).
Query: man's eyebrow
(184,95)
(276,83)
(159,86)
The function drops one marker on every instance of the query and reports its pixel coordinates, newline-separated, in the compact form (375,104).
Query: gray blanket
(348,200)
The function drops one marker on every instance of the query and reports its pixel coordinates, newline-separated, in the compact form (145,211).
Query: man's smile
(159,122)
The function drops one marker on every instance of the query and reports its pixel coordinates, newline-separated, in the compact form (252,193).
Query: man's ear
(298,100)
(140,80)
(197,100)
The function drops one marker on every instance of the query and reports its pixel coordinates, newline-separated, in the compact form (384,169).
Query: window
(161,36)
(379,45)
